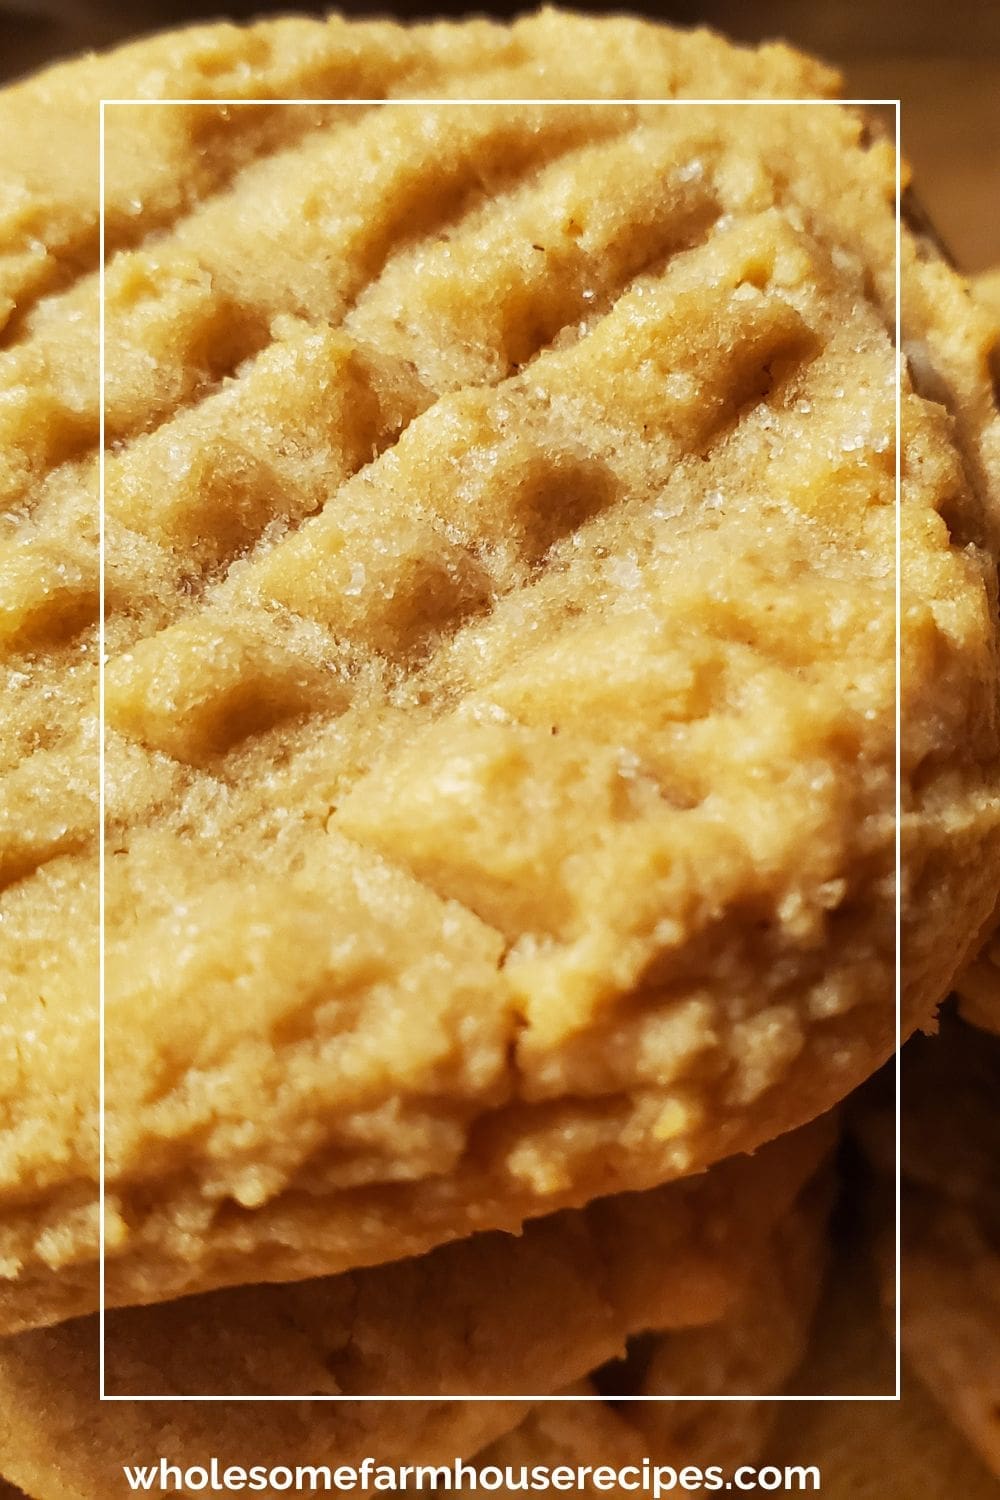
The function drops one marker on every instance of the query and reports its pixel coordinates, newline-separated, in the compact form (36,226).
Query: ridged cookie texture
(492,1315)
(500,633)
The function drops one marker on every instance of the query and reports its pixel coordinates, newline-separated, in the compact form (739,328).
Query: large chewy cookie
(500,596)
(493,1315)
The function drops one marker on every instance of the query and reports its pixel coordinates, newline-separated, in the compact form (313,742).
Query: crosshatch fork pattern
(392,689)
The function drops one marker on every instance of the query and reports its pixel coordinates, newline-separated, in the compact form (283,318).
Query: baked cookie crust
(492,1315)
(500,623)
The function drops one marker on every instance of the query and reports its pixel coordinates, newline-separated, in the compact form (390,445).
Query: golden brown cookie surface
(979,984)
(753,1349)
(494,1315)
(987,289)
(500,623)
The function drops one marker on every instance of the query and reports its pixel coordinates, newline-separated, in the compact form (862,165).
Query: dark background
(941,57)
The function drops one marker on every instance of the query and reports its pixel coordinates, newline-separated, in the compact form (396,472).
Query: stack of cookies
(469,689)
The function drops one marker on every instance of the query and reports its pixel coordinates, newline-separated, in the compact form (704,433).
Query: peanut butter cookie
(500,623)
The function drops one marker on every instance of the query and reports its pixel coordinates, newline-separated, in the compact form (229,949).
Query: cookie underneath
(492,1316)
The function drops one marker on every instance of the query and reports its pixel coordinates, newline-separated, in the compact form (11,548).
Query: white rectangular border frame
(895,104)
